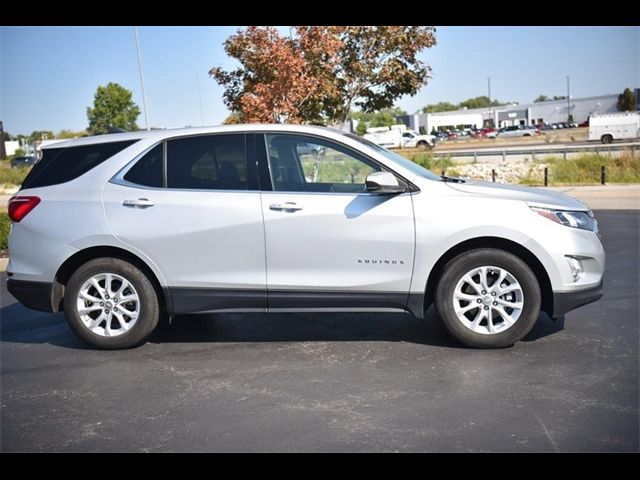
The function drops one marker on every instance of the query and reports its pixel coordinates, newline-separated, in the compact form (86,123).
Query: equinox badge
(383,261)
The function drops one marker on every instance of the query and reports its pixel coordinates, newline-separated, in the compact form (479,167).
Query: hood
(533,196)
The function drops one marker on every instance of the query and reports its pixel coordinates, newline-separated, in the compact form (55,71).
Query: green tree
(541,98)
(64,134)
(440,107)
(378,65)
(112,107)
(475,102)
(480,102)
(627,101)
(319,73)
(38,135)
(383,118)
(559,97)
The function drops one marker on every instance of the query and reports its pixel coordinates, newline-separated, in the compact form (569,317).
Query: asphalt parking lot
(332,382)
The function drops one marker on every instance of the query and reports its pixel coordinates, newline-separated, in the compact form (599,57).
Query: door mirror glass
(384,183)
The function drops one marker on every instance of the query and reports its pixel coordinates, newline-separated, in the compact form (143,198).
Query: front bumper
(564,302)
(35,295)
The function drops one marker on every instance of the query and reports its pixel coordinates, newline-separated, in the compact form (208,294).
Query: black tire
(607,139)
(149,305)
(456,268)
(423,145)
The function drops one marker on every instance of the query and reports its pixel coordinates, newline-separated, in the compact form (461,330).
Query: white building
(552,111)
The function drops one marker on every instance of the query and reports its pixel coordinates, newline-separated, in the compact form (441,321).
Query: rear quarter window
(61,165)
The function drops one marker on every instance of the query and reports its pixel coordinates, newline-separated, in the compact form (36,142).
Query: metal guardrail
(537,151)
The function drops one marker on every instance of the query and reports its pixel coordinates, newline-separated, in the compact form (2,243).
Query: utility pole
(568,99)
(489,90)
(140,69)
(3,153)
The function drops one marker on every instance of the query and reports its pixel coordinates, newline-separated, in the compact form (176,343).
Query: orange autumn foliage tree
(319,73)
(277,76)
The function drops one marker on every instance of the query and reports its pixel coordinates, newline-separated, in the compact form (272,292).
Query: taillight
(20,206)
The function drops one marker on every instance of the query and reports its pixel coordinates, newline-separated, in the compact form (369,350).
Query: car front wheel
(488,298)
(111,304)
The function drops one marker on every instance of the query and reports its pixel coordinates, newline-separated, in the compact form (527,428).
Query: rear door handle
(138,203)
(287,206)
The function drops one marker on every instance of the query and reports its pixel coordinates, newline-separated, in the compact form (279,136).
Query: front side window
(305,164)
(207,162)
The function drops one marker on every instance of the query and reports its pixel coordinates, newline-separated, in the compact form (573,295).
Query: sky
(48,75)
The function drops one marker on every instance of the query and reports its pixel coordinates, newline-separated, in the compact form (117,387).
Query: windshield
(394,157)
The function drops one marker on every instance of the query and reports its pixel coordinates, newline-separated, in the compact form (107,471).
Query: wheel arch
(500,244)
(72,263)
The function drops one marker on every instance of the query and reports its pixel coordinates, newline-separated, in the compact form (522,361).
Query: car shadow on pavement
(21,325)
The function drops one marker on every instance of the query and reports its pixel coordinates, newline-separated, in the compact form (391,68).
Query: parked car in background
(518,131)
(23,161)
(126,230)
(482,133)
(310,149)
(439,135)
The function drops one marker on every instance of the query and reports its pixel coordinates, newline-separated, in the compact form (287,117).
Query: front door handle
(287,206)
(138,203)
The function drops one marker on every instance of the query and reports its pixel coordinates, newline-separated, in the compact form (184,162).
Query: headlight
(581,220)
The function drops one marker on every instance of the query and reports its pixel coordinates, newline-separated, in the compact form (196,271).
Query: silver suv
(123,230)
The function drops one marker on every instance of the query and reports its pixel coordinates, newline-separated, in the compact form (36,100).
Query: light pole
(144,96)
(568,99)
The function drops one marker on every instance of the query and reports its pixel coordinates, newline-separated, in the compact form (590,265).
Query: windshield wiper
(451,179)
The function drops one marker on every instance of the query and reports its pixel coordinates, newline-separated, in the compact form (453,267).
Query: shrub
(13,176)
(585,169)
(435,164)
(5,224)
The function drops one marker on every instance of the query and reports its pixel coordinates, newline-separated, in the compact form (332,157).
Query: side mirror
(383,183)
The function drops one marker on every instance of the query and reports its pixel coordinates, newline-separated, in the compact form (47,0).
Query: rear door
(192,206)
(329,243)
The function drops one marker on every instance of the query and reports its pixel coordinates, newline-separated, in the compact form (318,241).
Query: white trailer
(398,136)
(614,126)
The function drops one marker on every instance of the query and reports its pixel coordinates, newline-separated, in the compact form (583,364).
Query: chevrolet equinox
(120,231)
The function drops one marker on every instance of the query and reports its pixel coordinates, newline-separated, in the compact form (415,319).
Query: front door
(191,205)
(329,243)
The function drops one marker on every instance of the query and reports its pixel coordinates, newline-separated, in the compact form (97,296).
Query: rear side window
(60,165)
(148,171)
(210,162)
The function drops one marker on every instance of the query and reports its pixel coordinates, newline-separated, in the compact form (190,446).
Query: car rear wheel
(111,304)
(607,139)
(488,298)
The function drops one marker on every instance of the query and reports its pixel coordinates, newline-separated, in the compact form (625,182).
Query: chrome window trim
(118,178)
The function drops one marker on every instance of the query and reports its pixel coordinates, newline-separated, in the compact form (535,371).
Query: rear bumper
(35,295)
(564,302)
